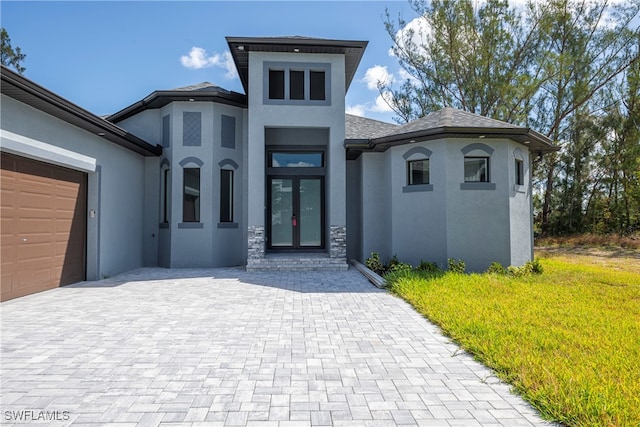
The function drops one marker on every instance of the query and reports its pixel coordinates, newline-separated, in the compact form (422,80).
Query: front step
(297,262)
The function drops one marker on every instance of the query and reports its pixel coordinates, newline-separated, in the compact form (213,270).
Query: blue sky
(105,56)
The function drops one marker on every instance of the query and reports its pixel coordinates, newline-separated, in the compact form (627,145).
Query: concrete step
(297,262)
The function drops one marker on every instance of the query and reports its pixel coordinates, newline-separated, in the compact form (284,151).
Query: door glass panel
(296,160)
(281,212)
(310,212)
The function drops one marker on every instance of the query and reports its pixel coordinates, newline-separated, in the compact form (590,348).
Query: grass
(568,339)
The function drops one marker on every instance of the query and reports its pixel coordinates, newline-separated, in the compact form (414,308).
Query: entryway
(296,212)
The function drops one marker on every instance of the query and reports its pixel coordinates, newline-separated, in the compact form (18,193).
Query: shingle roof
(357,127)
(450,117)
(200,87)
(371,135)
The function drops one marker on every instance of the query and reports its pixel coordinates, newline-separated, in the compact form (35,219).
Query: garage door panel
(33,226)
(31,200)
(46,205)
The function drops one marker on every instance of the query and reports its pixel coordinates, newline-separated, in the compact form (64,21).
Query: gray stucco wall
(354,208)
(264,115)
(520,207)
(419,230)
(446,219)
(207,243)
(478,220)
(376,218)
(115,187)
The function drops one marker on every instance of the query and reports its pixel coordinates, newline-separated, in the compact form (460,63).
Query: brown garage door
(43,226)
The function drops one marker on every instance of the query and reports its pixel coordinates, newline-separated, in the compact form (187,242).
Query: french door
(295,214)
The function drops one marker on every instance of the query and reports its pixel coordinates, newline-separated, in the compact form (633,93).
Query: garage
(43,229)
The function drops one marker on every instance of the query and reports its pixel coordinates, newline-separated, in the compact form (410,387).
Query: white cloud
(356,110)
(377,74)
(377,106)
(417,29)
(381,105)
(197,58)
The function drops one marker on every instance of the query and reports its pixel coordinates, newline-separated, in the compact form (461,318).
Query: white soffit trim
(38,150)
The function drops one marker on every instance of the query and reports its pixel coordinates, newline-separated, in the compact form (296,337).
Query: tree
(10,57)
(550,65)
(479,60)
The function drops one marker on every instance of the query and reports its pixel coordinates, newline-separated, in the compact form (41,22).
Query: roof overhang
(160,98)
(241,46)
(535,141)
(24,90)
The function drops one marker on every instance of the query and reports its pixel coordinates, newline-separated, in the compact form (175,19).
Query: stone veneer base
(335,260)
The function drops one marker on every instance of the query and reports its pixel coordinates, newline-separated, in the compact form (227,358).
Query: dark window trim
(231,196)
(228,225)
(323,208)
(519,172)
(166,195)
(478,186)
(286,67)
(190,225)
(417,188)
(487,158)
(196,214)
(409,183)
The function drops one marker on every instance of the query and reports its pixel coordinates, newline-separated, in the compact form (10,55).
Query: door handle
(294,221)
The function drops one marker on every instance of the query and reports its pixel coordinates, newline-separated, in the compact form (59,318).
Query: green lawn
(568,339)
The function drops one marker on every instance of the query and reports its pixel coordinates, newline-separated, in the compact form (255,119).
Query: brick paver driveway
(227,347)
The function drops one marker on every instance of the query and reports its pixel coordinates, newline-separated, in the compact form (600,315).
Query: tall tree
(589,45)
(482,60)
(9,56)
(547,65)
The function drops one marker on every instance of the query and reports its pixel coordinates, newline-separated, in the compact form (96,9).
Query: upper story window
(317,85)
(276,84)
(297,83)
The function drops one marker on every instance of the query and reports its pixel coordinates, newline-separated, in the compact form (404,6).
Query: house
(276,178)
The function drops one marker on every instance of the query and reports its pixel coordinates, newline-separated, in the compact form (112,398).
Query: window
(296,84)
(165,196)
(519,172)
(226,195)
(292,159)
(276,84)
(418,172)
(476,169)
(317,85)
(191,199)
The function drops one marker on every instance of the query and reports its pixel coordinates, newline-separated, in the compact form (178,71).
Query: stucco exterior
(115,182)
(141,212)
(447,219)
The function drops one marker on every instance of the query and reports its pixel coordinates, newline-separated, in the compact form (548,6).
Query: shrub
(428,267)
(536,266)
(456,266)
(496,268)
(374,263)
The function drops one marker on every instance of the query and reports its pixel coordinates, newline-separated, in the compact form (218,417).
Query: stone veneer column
(338,241)
(255,241)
